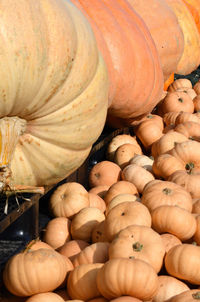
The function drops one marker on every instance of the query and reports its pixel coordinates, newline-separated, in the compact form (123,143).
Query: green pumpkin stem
(167,191)
(137,246)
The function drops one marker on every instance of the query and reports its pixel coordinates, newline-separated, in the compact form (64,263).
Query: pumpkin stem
(180,100)
(189,167)
(137,247)
(196,295)
(167,191)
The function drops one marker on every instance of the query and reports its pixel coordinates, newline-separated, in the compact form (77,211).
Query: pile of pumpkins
(134,234)
(69,67)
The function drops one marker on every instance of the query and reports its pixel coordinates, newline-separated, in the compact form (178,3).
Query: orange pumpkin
(177,101)
(179,83)
(72,248)
(53,297)
(187,296)
(169,240)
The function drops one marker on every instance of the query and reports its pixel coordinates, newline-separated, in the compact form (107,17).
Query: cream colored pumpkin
(54,81)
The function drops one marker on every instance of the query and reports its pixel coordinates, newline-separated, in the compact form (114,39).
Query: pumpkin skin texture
(18,279)
(180,83)
(188,296)
(164,219)
(169,241)
(165,30)
(97,202)
(72,248)
(119,199)
(189,129)
(177,101)
(180,254)
(166,193)
(168,287)
(190,58)
(57,76)
(99,232)
(138,279)
(81,283)
(45,297)
(139,242)
(117,27)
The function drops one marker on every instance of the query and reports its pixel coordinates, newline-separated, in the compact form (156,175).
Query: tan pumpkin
(37,244)
(168,287)
(68,199)
(166,193)
(139,279)
(120,187)
(142,160)
(137,175)
(177,101)
(197,233)
(166,142)
(196,87)
(117,141)
(187,296)
(190,58)
(28,279)
(169,118)
(186,117)
(148,132)
(124,153)
(189,129)
(97,202)
(164,220)
(57,232)
(166,164)
(72,248)
(196,206)
(43,297)
(184,253)
(169,240)
(81,283)
(180,83)
(138,242)
(149,117)
(99,232)
(94,253)
(126,299)
(125,214)
(104,173)
(53,99)
(189,91)
(119,199)
(99,190)
(84,221)
(196,102)
(187,179)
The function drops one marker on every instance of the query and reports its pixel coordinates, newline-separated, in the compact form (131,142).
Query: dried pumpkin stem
(189,167)
(167,191)
(137,246)
(196,295)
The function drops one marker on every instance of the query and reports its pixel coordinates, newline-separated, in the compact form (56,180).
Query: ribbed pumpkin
(194,8)
(53,90)
(190,58)
(130,54)
(165,30)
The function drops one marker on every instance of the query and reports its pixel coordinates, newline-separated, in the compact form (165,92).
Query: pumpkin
(94,253)
(99,232)
(72,248)
(37,244)
(164,220)
(83,223)
(120,187)
(81,283)
(68,199)
(190,58)
(182,254)
(117,141)
(57,232)
(196,102)
(179,83)
(197,233)
(100,190)
(189,91)
(187,179)
(97,202)
(137,175)
(169,240)
(138,242)
(126,299)
(104,173)
(165,30)
(54,85)
(139,279)
(183,117)
(166,193)
(189,129)
(119,199)
(194,9)
(187,296)
(125,153)
(170,117)
(168,287)
(125,214)
(177,101)
(142,160)
(125,43)
(62,293)
(32,272)
(196,87)
(44,297)
(196,206)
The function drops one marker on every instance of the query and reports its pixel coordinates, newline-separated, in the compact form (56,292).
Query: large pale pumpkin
(53,78)
(190,58)
(165,30)
(130,55)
